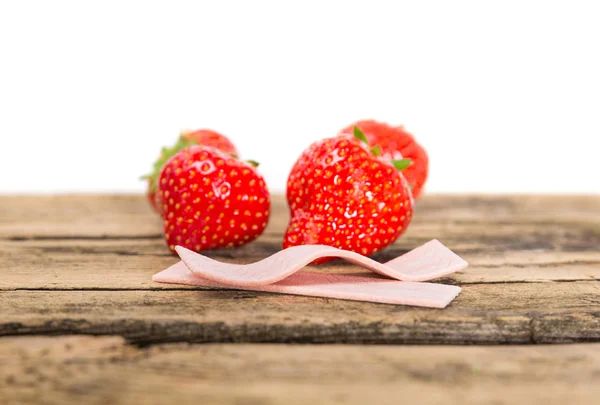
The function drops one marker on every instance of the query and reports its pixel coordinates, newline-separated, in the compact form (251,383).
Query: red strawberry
(397,143)
(211,199)
(186,138)
(210,138)
(342,194)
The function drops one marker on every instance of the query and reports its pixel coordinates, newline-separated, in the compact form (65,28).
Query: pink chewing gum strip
(428,261)
(280,273)
(338,286)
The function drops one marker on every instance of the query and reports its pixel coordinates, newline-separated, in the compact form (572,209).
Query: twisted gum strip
(280,273)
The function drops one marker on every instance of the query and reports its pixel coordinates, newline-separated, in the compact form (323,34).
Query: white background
(504,95)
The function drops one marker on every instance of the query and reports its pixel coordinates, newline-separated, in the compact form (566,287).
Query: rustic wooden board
(483,314)
(82,264)
(114,242)
(129,264)
(92,370)
(129,217)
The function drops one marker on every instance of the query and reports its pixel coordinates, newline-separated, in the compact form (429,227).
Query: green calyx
(360,135)
(400,164)
(165,154)
(253,163)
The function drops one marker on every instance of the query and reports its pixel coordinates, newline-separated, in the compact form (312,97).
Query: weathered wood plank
(100,255)
(128,216)
(113,243)
(87,370)
(129,264)
(482,314)
(75,216)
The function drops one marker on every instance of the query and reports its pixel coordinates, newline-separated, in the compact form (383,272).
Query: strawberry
(211,199)
(186,138)
(210,138)
(397,143)
(342,194)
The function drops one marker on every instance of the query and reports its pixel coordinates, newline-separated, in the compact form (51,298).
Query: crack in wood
(81,237)
(448,281)
(529,330)
(190,288)
(451,281)
(540,265)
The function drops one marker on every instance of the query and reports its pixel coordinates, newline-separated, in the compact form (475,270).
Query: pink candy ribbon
(281,273)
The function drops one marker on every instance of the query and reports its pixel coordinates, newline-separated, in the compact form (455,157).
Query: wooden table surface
(82,322)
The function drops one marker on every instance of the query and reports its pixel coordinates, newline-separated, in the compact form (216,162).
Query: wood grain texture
(483,314)
(82,264)
(91,370)
(114,242)
(129,264)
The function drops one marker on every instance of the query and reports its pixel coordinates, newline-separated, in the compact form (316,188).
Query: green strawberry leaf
(360,135)
(253,163)
(376,150)
(402,163)
(165,154)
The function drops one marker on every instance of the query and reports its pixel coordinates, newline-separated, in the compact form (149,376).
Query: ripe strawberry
(397,143)
(211,199)
(186,138)
(342,194)
(210,138)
